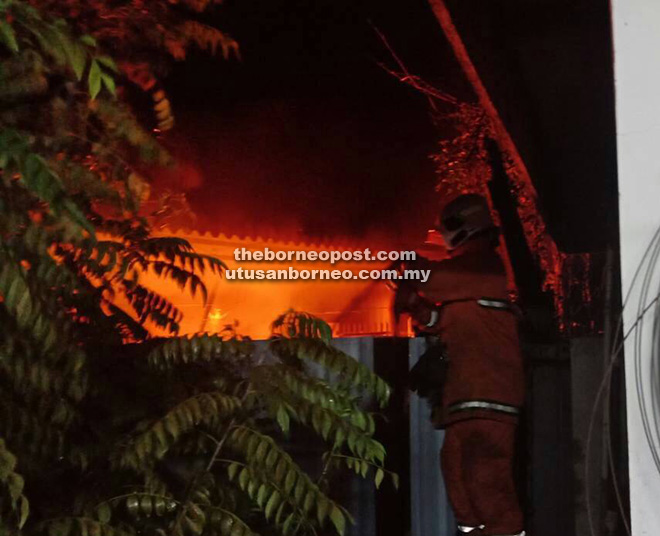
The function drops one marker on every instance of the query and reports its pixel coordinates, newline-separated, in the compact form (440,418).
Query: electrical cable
(637,358)
(607,378)
(646,267)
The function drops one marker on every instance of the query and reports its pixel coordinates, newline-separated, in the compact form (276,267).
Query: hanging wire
(646,269)
(650,428)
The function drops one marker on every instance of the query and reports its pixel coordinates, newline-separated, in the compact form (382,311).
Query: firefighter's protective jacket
(485,377)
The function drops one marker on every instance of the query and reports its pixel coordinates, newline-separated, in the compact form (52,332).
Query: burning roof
(351,307)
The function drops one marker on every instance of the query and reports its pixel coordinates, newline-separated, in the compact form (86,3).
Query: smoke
(306,169)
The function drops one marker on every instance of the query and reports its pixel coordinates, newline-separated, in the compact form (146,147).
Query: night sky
(308,135)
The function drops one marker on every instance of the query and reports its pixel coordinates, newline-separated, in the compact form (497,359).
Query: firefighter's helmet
(463,219)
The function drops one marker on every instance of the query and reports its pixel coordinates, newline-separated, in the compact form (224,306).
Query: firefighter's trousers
(477,466)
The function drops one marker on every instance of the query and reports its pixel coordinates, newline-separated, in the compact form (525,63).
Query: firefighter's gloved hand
(422,314)
(406,300)
(428,376)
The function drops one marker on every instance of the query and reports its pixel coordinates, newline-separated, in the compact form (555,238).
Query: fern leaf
(332,426)
(169,246)
(181,276)
(21,302)
(335,361)
(123,127)
(79,526)
(164,433)
(151,306)
(271,476)
(37,437)
(228,522)
(294,324)
(209,39)
(138,504)
(167,353)
(12,500)
(179,251)
(8,36)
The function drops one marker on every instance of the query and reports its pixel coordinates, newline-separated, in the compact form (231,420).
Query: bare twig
(432,93)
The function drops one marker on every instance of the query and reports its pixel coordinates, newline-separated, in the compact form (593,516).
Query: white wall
(637,73)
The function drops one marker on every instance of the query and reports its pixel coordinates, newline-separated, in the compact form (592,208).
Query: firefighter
(472,373)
